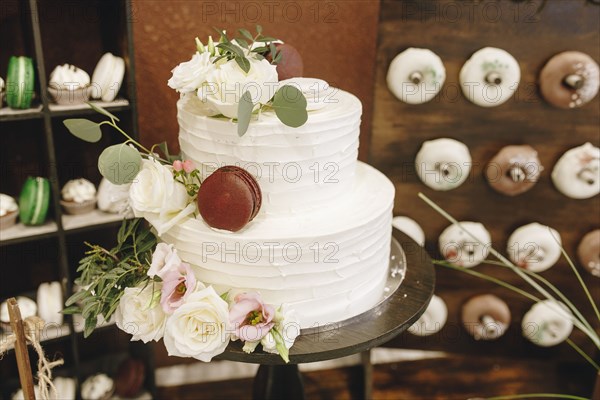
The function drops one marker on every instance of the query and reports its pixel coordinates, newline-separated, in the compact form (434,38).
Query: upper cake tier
(298,169)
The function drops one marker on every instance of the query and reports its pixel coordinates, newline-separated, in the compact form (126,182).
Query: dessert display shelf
(22,233)
(116,105)
(9,114)
(90,220)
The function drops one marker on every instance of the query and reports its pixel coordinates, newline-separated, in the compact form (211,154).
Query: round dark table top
(377,326)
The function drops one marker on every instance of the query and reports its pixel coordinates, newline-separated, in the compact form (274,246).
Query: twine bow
(32,327)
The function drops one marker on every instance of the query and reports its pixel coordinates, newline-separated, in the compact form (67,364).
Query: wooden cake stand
(393,315)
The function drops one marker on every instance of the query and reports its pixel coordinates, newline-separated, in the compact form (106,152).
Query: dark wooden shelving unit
(36,143)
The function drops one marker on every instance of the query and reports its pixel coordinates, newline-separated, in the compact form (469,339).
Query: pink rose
(178,284)
(177,165)
(164,258)
(188,166)
(251,318)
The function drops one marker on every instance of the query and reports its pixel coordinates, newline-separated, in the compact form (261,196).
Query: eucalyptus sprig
(105,273)
(121,162)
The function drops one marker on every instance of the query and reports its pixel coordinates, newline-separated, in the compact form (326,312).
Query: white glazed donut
(432,320)
(107,77)
(577,172)
(547,323)
(27,307)
(490,77)
(458,247)
(485,317)
(415,76)
(50,303)
(411,228)
(443,164)
(534,246)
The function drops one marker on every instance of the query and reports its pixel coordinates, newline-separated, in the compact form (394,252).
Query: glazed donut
(443,164)
(577,172)
(432,320)
(547,323)
(458,247)
(416,76)
(514,170)
(588,252)
(411,228)
(570,79)
(50,303)
(485,317)
(534,246)
(490,77)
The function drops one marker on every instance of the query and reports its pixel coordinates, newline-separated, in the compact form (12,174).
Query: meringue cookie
(514,170)
(411,228)
(432,320)
(490,77)
(534,246)
(547,323)
(577,172)
(458,247)
(416,76)
(485,317)
(443,164)
(114,198)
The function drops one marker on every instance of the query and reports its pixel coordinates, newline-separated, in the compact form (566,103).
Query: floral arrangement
(544,291)
(235,79)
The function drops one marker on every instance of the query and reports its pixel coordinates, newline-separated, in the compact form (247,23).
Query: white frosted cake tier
(328,265)
(298,169)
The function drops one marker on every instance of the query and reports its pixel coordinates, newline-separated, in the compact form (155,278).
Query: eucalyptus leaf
(119,163)
(245,108)
(290,106)
(243,63)
(101,110)
(84,129)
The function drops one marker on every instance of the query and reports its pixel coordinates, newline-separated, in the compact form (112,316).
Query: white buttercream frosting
(79,190)
(69,77)
(7,205)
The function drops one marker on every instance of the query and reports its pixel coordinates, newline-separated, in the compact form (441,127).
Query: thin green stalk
(131,140)
(537,395)
(583,354)
(589,333)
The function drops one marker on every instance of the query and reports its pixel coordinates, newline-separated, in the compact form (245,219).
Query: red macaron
(229,198)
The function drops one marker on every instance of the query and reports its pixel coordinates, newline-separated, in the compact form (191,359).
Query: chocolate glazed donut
(485,317)
(514,170)
(588,252)
(570,79)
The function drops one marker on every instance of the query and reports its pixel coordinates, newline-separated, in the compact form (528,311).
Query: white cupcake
(69,85)
(78,196)
(9,211)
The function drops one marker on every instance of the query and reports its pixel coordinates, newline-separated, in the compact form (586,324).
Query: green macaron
(34,201)
(20,80)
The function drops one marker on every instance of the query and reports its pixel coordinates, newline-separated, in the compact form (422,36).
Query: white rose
(157,197)
(289,328)
(189,76)
(226,84)
(140,314)
(164,258)
(200,327)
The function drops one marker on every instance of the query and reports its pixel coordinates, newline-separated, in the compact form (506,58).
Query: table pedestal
(278,382)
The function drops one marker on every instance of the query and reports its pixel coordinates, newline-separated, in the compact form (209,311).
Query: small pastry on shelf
(27,306)
(97,387)
(490,77)
(458,247)
(577,172)
(570,80)
(535,247)
(443,164)
(130,378)
(1,92)
(107,77)
(78,196)
(114,199)
(69,85)
(416,76)
(34,201)
(9,211)
(20,81)
(65,388)
(547,323)
(432,320)
(514,170)
(588,252)
(50,303)
(485,317)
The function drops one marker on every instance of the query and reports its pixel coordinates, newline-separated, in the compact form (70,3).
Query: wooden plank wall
(532,31)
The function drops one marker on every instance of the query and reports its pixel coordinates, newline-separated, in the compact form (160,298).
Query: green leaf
(243,63)
(242,43)
(264,39)
(72,310)
(246,34)
(90,325)
(101,110)
(261,49)
(290,106)
(232,48)
(259,29)
(119,163)
(280,345)
(84,129)
(76,297)
(245,108)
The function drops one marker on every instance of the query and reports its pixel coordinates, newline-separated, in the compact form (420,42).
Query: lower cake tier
(327,265)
